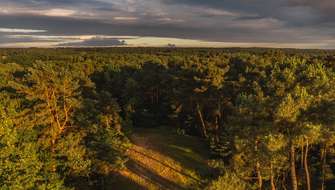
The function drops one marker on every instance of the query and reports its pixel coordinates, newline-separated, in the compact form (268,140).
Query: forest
(167,118)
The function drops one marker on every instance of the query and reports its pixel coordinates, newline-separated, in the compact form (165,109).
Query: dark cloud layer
(97,42)
(281,9)
(243,21)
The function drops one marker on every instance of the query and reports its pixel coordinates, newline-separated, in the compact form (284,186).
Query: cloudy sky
(185,23)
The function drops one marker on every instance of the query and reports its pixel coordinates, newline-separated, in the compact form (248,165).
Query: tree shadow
(119,182)
(190,152)
(113,181)
(151,176)
(188,155)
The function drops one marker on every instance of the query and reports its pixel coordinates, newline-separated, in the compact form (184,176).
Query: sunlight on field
(154,165)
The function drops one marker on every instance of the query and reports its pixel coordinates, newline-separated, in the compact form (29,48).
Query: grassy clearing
(161,159)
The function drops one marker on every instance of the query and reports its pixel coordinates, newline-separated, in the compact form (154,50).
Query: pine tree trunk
(323,169)
(259,176)
(102,183)
(283,181)
(294,181)
(217,127)
(302,157)
(306,167)
(203,125)
(273,185)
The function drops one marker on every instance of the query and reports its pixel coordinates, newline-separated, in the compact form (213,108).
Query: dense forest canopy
(267,116)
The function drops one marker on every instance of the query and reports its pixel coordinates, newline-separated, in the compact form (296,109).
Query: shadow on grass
(114,181)
(190,152)
(168,166)
(119,182)
(151,176)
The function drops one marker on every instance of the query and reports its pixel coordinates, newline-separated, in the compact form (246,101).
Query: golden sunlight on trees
(167,118)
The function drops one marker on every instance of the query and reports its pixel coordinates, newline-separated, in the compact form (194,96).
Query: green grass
(191,152)
(162,159)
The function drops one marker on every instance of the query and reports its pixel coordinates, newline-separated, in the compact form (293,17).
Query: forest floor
(161,159)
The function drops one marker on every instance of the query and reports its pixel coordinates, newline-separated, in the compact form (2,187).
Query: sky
(159,23)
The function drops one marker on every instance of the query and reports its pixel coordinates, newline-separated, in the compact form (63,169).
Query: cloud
(258,24)
(219,12)
(32,40)
(97,42)
(58,12)
(311,11)
(19,30)
(123,18)
(169,20)
(232,21)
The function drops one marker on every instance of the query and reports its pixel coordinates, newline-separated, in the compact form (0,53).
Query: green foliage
(264,113)
(21,162)
(48,123)
(228,181)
